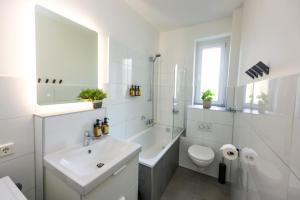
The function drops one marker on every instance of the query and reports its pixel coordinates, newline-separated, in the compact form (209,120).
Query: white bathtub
(155,142)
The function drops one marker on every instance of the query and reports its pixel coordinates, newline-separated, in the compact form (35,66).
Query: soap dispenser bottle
(105,126)
(97,128)
(96,131)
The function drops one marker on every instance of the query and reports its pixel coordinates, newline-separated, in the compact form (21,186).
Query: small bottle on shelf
(132,92)
(139,91)
(136,90)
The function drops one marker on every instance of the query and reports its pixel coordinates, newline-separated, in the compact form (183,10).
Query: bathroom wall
(110,18)
(177,49)
(270,33)
(268,128)
(267,133)
(220,122)
(16,126)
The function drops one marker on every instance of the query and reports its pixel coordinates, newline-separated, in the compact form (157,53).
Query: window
(211,69)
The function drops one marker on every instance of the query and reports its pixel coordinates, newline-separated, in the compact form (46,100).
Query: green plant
(207,95)
(92,95)
(262,98)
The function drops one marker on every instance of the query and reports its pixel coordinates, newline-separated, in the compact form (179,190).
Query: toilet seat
(201,153)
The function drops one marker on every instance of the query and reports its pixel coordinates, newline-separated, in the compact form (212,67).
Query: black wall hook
(250,74)
(258,70)
(263,67)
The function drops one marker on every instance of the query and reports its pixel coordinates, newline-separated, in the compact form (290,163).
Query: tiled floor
(190,185)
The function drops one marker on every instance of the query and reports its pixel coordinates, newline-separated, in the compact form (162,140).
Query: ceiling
(172,14)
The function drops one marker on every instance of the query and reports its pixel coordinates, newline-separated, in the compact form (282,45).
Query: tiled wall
(221,133)
(16,125)
(127,67)
(267,131)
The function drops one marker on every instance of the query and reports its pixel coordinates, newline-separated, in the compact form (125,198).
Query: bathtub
(158,159)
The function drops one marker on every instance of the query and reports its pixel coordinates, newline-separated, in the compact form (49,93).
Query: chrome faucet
(149,122)
(87,138)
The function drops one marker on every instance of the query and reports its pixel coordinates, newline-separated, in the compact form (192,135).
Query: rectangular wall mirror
(66,58)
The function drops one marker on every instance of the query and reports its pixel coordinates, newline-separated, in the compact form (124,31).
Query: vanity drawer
(121,184)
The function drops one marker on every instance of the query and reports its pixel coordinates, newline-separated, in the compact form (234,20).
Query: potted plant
(93,95)
(262,102)
(207,97)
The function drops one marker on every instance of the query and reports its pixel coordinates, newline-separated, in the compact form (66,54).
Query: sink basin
(83,168)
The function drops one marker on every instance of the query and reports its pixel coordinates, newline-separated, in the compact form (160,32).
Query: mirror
(66,58)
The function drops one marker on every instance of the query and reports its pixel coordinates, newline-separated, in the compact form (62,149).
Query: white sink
(81,167)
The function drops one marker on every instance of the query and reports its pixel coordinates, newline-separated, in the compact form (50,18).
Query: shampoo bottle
(138,91)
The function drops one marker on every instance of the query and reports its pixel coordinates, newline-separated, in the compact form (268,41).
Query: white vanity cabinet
(122,184)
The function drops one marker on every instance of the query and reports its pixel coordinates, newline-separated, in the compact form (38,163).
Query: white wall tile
(118,72)
(134,126)
(225,118)
(20,132)
(116,113)
(269,173)
(195,114)
(274,125)
(118,130)
(16,99)
(117,51)
(165,117)
(64,130)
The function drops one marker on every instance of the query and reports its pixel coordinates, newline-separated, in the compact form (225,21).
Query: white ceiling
(171,14)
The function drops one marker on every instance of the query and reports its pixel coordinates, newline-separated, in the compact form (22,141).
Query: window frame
(224,42)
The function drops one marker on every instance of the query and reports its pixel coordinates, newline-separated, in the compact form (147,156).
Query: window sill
(213,108)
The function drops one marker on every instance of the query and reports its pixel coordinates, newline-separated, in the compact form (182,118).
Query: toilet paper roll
(230,152)
(249,156)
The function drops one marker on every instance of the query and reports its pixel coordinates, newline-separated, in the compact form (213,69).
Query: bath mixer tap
(149,122)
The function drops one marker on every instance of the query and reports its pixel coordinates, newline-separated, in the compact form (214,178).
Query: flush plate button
(205,126)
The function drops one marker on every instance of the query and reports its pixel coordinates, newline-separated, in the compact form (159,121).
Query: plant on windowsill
(262,102)
(93,95)
(207,97)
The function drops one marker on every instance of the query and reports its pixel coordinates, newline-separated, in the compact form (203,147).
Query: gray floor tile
(190,185)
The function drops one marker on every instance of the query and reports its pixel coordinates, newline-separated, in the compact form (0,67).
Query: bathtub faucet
(149,122)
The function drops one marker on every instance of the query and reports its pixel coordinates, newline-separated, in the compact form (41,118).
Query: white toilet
(201,156)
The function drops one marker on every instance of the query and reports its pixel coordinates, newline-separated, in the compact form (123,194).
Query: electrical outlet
(6,149)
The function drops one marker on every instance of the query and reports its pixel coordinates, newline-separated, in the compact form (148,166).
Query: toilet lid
(9,190)
(201,152)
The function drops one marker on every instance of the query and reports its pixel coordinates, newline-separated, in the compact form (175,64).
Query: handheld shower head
(153,58)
